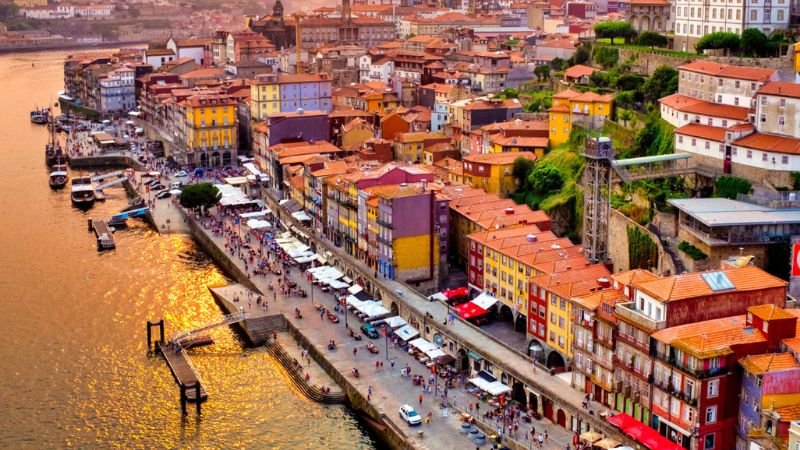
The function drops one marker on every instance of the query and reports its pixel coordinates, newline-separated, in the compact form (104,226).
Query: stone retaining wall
(104,161)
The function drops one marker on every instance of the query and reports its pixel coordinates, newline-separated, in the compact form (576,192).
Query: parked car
(409,414)
(369,330)
(181,174)
(157,187)
(163,194)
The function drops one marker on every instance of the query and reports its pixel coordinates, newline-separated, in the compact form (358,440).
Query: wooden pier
(184,373)
(105,237)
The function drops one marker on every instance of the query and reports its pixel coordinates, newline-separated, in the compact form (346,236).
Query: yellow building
(493,171)
(557,289)
(355,133)
(408,146)
(210,131)
(588,110)
(265,97)
(500,143)
(797,58)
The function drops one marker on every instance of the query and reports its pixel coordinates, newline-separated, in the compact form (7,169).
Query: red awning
(642,433)
(621,420)
(456,293)
(469,310)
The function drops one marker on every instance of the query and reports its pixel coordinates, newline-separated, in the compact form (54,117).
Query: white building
(156,57)
(375,68)
(93,11)
(680,110)
(48,12)
(195,48)
(722,83)
(117,91)
(695,18)
(778,109)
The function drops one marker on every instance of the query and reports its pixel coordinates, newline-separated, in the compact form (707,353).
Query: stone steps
(297,377)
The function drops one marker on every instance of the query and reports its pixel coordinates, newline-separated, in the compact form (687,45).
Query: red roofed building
(579,74)
(722,83)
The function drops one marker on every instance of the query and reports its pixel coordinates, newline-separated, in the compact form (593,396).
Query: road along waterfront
(75,372)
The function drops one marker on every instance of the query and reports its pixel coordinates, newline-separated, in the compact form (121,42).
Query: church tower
(346,16)
(277,10)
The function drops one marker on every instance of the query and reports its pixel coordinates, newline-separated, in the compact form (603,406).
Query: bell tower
(346,14)
(277,9)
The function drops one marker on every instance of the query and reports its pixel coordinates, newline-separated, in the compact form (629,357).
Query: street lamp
(386,335)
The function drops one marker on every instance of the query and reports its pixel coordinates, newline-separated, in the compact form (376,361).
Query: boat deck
(105,237)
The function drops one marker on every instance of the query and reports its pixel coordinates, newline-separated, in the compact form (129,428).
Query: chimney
(532,238)
(603,282)
(509,211)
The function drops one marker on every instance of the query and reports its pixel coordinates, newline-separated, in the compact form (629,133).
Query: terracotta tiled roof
(728,71)
(559,108)
(769,312)
(760,364)
(792,344)
(586,273)
(579,70)
(499,158)
(397,190)
(789,413)
(558,43)
(710,338)
(702,131)
(770,143)
(630,277)
(592,301)
(781,88)
(690,285)
(519,141)
(693,105)
(566,93)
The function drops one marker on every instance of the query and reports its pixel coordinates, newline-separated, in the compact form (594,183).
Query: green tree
(729,187)
(599,79)
(523,167)
(582,55)
(651,39)
(558,64)
(606,56)
(540,101)
(508,93)
(625,116)
(629,82)
(545,178)
(200,196)
(720,40)
(662,83)
(542,72)
(624,99)
(753,43)
(613,30)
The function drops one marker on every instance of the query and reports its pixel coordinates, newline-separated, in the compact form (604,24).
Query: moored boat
(40,116)
(58,177)
(53,154)
(82,194)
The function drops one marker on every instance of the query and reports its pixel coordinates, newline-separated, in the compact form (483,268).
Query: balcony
(384,223)
(632,342)
(383,240)
(628,311)
(703,373)
(348,204)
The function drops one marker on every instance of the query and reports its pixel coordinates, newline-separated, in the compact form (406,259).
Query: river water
(74,370)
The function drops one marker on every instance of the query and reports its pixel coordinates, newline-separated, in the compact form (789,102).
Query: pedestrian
(391,363)
(369,390)
(381,365)
(545,436)
(377,365)
(355,350)
(420,399)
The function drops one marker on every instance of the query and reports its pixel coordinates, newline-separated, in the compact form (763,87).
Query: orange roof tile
(710,338)
(702,131)
(770,143)
(631,277)
(592,301)
(499,158)
(769,312)
(566,93)
(693,105)
(579,70)
(792,344)
(760,364)
(690,285)
(789,413)
(781,88)
(728,71)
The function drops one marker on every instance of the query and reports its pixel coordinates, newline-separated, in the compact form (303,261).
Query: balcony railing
(628,311)
(384,223)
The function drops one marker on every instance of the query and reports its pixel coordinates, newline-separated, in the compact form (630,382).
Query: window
(784,159)
(737,84)
(541,330)
(688,415)
(724,123)
(713,388)
(764,157)
(694,142)
(710,121)
(680,139)
(711,414)
(708,145)
(763,101)
(780,15)
(708,442)
(781,121)
(561,322)
(736,100)
(750,156)
(719,83)
(562,304)
(542,313)
(553,318)
(552,337)
(763,117)
(783,103)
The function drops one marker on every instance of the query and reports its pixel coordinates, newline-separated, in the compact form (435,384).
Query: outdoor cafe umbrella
(606,443)
(591,436)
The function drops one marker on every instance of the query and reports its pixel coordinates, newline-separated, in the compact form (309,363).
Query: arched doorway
(215,159)
(505,314)
(561,418)
(645,23)
(535,350)
(548,409)
(203,159)
(378,295)
(463,360)
(533,402)
(555,360)
(521,323)
(394,309)
(518,392)
(226,158)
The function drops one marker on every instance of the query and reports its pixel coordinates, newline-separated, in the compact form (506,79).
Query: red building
(657,303)
(695,382)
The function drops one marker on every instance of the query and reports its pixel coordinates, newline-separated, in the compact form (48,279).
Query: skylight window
(718,281)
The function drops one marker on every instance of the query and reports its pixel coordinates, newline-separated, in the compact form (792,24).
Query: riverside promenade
(389,389)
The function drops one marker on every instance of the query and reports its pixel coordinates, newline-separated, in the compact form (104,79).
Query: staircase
(261,328)
(297,376)
(670,248)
